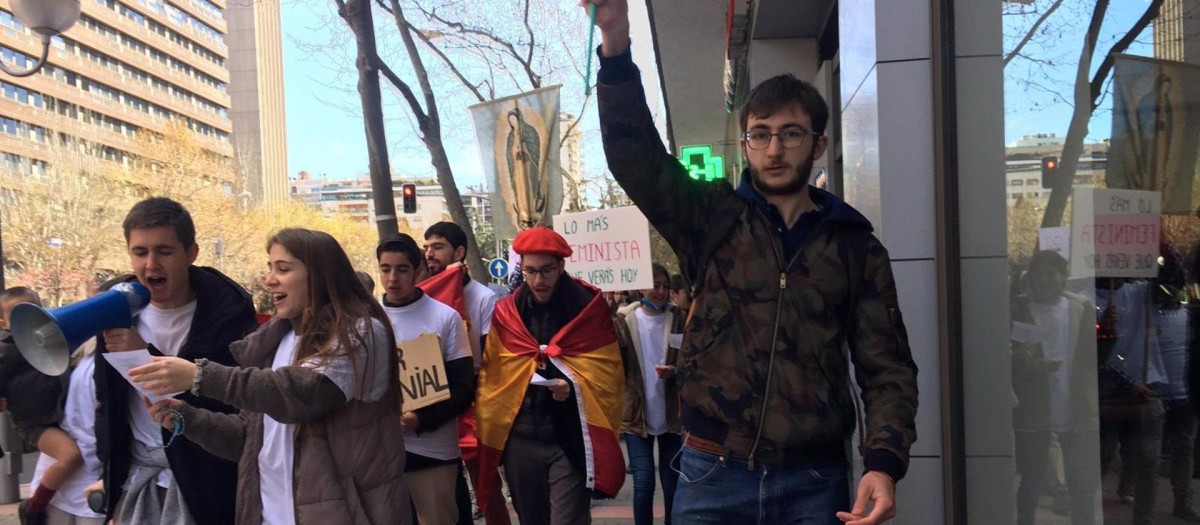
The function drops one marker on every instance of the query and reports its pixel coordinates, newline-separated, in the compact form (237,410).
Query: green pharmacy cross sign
(702,164)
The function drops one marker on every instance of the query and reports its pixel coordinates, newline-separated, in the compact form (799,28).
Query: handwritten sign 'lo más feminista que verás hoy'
(1115,233)
(611,248)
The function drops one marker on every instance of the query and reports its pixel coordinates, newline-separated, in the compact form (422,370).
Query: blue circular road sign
(498,268)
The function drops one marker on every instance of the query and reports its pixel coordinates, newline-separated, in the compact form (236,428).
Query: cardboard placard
(423,379)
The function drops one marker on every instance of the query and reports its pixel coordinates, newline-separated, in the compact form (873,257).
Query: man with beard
(445,245)
(786,274)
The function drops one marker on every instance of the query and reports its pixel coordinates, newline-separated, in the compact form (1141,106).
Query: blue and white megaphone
(46,338)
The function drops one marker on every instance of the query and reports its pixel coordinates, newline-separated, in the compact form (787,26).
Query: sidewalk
(618,511)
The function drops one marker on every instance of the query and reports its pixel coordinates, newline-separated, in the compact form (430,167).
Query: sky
(326,137)
(324,125)
(1038,108)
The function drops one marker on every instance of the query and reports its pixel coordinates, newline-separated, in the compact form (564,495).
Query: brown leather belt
(710,447)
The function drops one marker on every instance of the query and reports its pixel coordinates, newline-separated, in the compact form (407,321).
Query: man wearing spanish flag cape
(549,396)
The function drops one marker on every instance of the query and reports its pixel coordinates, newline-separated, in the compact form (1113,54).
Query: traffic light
(1049,172)
(409,194)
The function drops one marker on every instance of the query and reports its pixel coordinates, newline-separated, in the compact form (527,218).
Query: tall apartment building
(1177,31)
(256,88)
(125,67)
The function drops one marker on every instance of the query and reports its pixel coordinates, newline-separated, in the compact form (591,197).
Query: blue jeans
(715,489)
(641,464)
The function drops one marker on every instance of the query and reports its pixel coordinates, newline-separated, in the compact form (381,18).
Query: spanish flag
(586,351)
(448,288)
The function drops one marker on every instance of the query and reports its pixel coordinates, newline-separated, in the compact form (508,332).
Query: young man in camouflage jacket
(787,277)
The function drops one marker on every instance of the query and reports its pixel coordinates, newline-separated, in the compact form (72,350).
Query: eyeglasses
(788,138)
(544,273)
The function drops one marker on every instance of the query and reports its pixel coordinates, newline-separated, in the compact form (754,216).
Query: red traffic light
(1051,163)
(408,192)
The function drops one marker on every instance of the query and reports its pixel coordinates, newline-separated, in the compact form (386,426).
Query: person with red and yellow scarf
(550,387)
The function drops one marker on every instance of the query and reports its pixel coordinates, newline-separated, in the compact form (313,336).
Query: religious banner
(519,141)
(1114,233)
(1155,130)
(423,379)
(611,248)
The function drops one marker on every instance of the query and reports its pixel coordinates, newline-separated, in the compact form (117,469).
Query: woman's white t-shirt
(277,456)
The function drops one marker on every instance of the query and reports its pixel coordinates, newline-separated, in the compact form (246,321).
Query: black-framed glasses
(544,273)
(788,138)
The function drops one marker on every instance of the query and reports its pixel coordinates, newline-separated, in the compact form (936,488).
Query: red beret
(541,240)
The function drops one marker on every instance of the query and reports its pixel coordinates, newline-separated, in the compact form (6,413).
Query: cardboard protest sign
(423,379)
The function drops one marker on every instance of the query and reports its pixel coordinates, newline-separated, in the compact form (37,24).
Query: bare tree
(484,57)
(357,14)
(1087,97)
(1086,90)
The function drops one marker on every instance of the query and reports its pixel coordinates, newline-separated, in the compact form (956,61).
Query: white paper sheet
(1028,333)
(538,380)
(125,361)
(675,340)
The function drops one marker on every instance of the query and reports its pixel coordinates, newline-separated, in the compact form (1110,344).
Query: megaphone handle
(95,501)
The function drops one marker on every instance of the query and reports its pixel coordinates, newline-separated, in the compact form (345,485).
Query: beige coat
(633,417)
(349,465)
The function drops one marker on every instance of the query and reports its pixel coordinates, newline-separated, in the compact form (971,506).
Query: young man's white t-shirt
(79,422)
(428,316)
(652,333)
(167,331)
(277,456)
(481,304)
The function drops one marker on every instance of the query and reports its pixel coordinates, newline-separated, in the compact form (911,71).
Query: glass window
(1103,270)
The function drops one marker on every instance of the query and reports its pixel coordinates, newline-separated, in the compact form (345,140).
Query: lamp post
(48,19)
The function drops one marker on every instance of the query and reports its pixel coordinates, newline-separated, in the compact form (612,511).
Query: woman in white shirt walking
(319,437)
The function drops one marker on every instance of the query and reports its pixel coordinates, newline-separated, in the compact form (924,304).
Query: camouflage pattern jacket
(763,369)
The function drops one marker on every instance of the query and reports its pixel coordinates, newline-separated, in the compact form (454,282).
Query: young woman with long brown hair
(318,437)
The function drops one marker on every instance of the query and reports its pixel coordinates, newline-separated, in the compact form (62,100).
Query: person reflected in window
(1054,378)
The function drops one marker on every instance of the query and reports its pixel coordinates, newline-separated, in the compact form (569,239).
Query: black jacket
(34,398)
(224,314)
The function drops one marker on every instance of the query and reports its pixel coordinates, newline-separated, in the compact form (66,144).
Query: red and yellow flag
(586,351)
(448,288)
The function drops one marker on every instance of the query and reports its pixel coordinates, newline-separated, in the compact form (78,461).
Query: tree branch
(534,79)
(446,60)
(405,90)
(526,64)
(1029,36)
(1097,83)
(383,5)
(578,116)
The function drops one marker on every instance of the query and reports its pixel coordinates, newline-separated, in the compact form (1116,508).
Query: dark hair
(366,280)
(401,243)
(337,302)
(161,211)
(779,93)
(449,231)
(677,283)
(24,293)
(657,270)
(1048,258)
